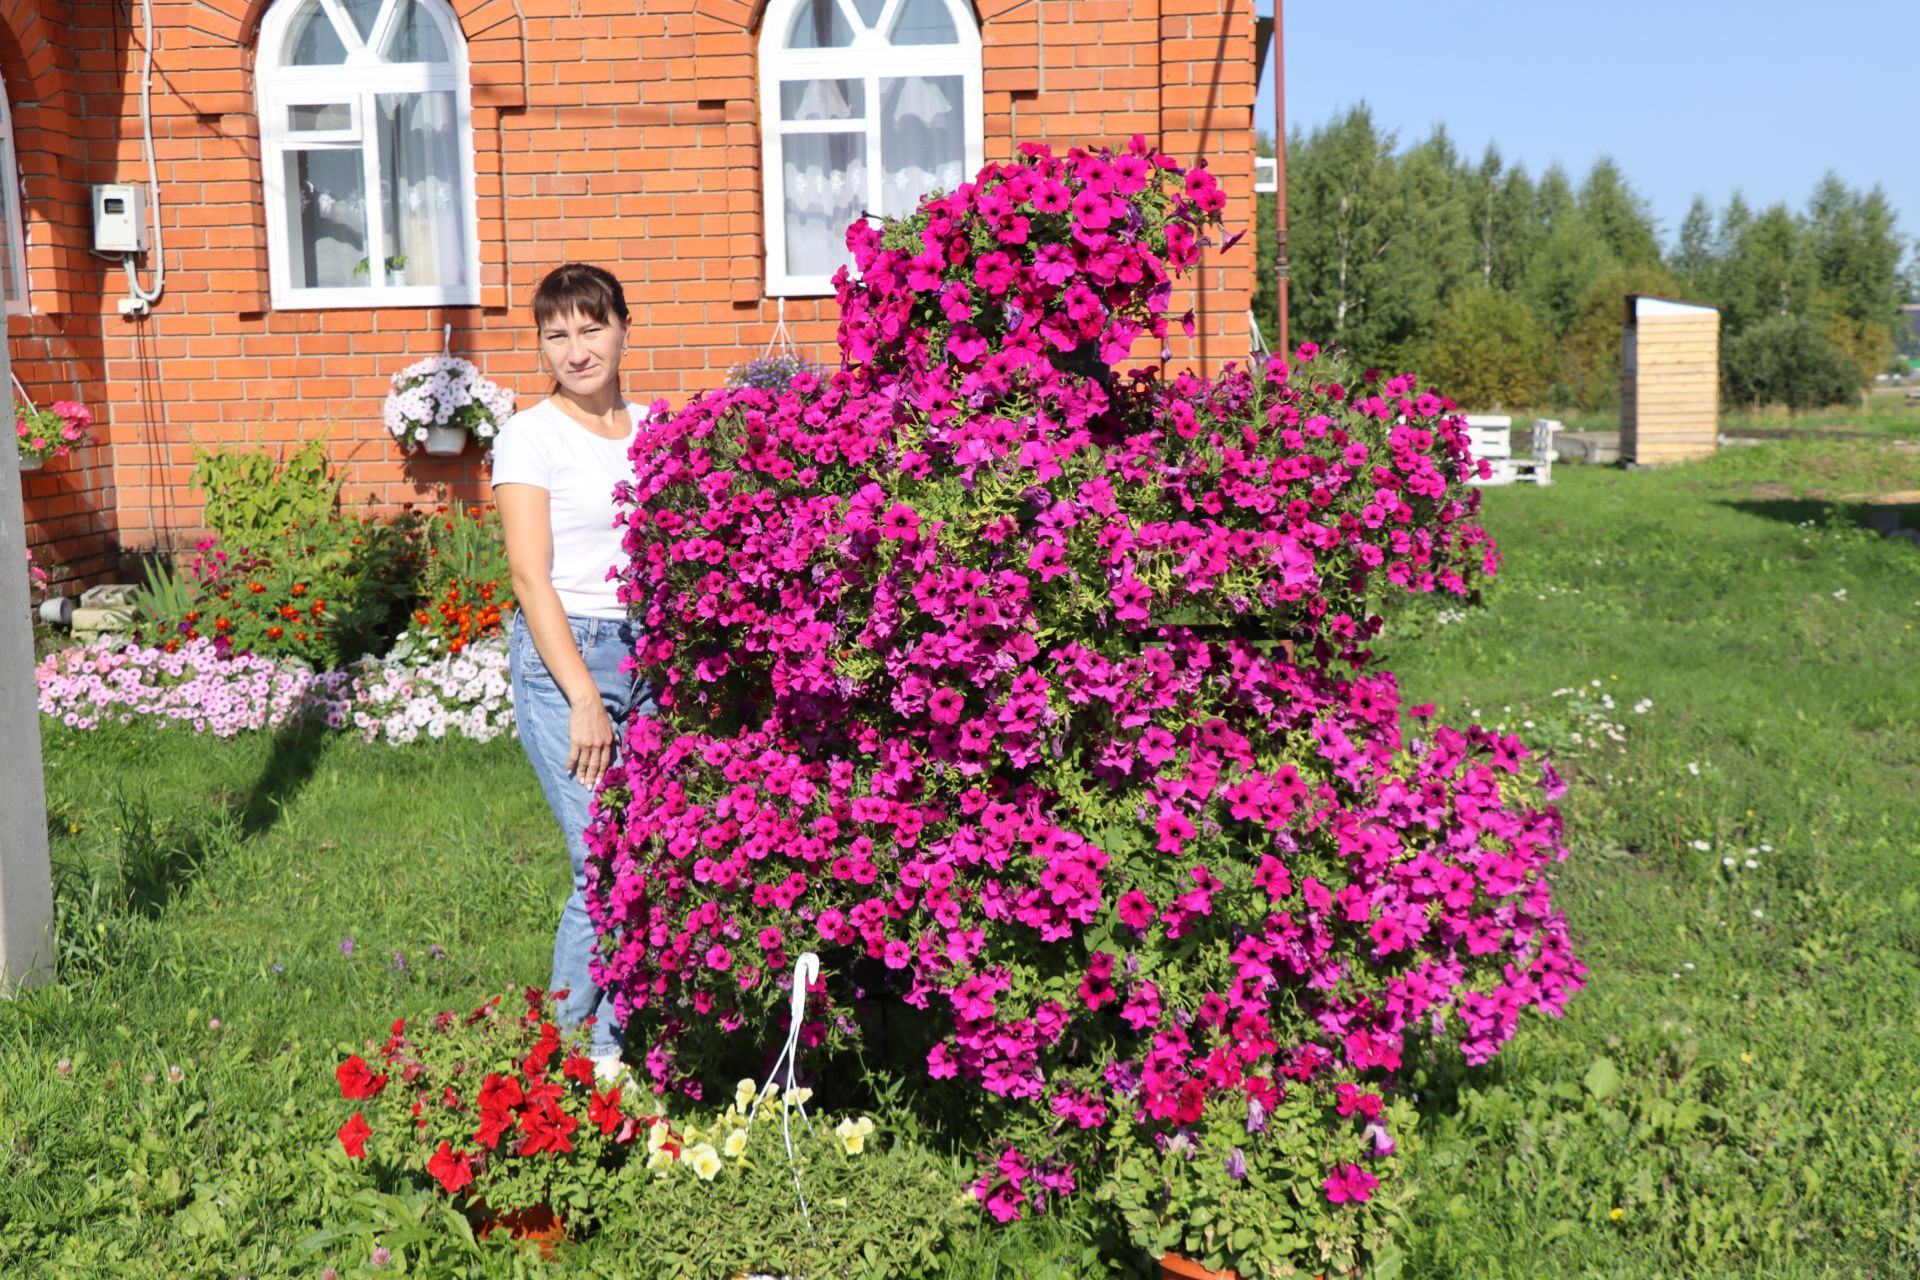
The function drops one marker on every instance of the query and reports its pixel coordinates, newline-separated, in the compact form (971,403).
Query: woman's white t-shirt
(545,448)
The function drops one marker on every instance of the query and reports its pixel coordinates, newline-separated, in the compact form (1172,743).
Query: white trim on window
(18,300)
(868,58)
(358,83)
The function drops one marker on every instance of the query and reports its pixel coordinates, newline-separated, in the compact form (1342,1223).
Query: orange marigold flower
(299,588)
(274,633)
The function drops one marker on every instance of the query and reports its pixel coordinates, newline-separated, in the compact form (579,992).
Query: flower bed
(396,699)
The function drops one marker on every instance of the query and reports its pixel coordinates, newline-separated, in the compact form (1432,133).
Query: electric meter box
(119,218)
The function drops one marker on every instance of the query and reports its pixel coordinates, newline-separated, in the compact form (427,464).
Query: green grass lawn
(1735,1093)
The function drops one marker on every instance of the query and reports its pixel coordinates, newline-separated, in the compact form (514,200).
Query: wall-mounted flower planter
(30,462)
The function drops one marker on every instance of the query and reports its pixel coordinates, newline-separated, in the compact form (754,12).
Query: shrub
(1490,351)
(252,497)
(966,681)
(1590,353)
(1786,360)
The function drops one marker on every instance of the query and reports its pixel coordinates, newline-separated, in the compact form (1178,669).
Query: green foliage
(1488,351)
(325,592)
(1384,239)
(1786,359)
(1266,1214)
(1590,352)
(165,595)
(252,496)
(874,1208)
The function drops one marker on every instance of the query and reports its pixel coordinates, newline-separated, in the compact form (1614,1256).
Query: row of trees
(1506,290)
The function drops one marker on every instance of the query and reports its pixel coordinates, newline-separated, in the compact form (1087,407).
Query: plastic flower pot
(1175,1267)
(539,1224)
(30,462)
(397,279)
(446,440)
(57,611)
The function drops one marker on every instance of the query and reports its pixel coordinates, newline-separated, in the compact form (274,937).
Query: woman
(554,469)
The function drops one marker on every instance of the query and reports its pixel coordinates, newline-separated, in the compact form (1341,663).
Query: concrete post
(26,880)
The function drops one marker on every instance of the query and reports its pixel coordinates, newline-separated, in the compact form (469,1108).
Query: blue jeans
(544,718)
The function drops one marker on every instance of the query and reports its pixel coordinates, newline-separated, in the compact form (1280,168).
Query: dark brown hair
(579,286)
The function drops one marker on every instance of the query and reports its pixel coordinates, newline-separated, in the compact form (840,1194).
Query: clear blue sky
(1690,97)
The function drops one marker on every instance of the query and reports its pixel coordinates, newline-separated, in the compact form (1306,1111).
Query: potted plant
(933,698)
(440,401)
(52,432)
(497,1109)
(1277,1179)
(396,270)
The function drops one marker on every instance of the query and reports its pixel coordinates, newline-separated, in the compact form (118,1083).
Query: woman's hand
(589,741)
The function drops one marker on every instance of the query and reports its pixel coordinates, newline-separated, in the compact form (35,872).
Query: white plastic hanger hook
(446,338)
(806,971)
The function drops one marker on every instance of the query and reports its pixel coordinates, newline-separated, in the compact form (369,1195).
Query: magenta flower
(1349,1183)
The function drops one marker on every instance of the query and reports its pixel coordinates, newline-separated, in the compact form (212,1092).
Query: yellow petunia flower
(705,1161)
(853,1134)
(659,1160)
(743,1095)
(657,1135)
(736,1143)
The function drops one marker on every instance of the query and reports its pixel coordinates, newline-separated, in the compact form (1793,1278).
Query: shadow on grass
(291,762)
(1880,517)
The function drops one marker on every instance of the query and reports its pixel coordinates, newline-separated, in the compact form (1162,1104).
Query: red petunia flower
(536,1062)
(604,1110)
(578,1067)
(353,1136)
(453,1168)
(492,1125)
(357,1080)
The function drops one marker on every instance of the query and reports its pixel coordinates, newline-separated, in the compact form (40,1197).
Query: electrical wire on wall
(140,299)
(150,389)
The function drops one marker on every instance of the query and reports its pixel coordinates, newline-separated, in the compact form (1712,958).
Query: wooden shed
(1669,380)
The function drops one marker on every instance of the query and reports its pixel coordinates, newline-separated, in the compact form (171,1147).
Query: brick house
(708,151)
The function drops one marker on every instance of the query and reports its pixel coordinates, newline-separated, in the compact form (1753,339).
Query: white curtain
(420,183)
(825,179)
(923,140)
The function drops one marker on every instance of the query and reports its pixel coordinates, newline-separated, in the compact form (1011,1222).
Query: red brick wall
(623,132)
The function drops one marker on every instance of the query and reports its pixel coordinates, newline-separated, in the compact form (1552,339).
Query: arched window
(13,234)
(366,133)
(865,107)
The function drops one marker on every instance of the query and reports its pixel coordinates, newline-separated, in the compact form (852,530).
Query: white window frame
(358,81)
(16,223)
(870,58)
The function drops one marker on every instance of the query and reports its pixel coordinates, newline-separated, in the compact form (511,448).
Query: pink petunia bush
(1034,694)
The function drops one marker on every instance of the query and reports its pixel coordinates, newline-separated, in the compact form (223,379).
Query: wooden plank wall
(1670,395)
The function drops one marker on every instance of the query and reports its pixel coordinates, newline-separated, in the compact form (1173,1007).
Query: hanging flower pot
(440,401)
(446,440)
(30,462)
